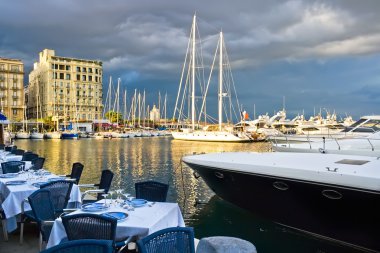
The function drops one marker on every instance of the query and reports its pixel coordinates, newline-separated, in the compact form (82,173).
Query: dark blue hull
(347,215)
(70,136)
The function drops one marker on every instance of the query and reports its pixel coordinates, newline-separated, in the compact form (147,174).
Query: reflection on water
(159,158)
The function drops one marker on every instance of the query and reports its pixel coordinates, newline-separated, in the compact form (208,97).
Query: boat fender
(321,150)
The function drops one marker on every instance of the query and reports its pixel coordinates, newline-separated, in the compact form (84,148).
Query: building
(154,114)
(12,88)
(66,89)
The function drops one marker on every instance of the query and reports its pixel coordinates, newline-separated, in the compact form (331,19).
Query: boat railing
(285,142)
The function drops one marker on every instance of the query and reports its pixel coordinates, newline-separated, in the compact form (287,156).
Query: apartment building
(12,88)
(65,88)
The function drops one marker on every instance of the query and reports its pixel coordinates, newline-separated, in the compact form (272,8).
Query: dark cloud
(315,53)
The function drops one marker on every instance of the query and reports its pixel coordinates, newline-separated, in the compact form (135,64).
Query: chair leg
(21,232)
(5,232)
(40,242)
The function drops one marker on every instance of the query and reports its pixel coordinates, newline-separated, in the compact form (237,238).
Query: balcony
(3,87)
(15,88)
(15,96)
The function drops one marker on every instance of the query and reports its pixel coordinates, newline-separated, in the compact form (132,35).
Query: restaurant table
(141,222)
(11,196)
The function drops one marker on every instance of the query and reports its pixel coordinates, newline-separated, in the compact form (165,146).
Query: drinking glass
(105,195)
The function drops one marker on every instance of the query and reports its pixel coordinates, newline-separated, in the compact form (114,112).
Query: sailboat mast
(193,77)
(220,102)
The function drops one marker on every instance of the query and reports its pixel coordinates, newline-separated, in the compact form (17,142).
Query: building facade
(12,102)
(66,89)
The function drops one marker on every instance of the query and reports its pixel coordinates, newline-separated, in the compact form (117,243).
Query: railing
(284,142)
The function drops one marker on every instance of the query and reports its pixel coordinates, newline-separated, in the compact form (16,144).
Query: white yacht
(330,196)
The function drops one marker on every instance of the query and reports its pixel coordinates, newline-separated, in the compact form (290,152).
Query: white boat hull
(211,136)
(22,135)
(36,136)
(53,135)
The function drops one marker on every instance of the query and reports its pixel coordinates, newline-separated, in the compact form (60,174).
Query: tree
(114,117)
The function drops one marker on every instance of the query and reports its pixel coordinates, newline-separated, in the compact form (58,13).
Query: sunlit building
(12,88)
(154,114)
(65,88)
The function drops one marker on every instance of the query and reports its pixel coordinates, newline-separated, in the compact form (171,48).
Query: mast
(193,76)
(220,100)
(125,106)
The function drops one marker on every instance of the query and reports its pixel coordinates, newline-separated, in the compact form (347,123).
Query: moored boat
(53,135)
(331,196)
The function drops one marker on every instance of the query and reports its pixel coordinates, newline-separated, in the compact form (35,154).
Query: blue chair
(151,191)
(12,167)
(43,210)
(82,246)
(29,156)
(38,163)
(76,172)
(169,240)
(60,195)
(103,187)
(93,226)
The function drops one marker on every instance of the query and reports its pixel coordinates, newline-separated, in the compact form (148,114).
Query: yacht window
(352,162)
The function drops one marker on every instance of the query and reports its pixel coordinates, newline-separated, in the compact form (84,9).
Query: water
(159,158)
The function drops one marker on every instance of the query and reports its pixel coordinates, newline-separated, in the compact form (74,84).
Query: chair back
(151,191)
(29,156)
(89,226)
(175,239)
(76,172)
(82,246)
(41,203)
(105,182)
(12,167)
(8,148)
(38,163)
(2,146)
(60,193)
(17,152)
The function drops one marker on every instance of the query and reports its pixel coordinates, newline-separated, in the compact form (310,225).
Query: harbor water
(159,158)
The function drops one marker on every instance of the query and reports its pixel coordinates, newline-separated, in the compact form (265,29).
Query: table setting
(15,187)
(136,217)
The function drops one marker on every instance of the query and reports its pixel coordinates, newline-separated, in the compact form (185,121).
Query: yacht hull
(210,136)
(344,214)
(36,136)
(69,136)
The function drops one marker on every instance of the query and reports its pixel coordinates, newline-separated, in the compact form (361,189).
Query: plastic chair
(82,246)
(60,195)
(12,167)
(169,240)
(103,186)
(151,191)
(43,210)
(76,172)
(92,226)
(38,163)
(29,156)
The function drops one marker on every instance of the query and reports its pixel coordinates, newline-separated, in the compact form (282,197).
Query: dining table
(18,186)
(138,221)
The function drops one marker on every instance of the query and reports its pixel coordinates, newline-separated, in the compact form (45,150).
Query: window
(61,67)
(67,68)
(96,79)
(84,69)
(68,76)
(78,69)
(15,68)
(96,71)
(14,111)
(61,76)
(89,70)
(84,78)
(90,78)
(78,77)
(14,102)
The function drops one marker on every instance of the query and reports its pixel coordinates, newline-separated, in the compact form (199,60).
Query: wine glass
(105,195)
(111,193)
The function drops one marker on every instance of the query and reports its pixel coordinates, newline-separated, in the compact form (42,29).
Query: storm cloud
(316,54)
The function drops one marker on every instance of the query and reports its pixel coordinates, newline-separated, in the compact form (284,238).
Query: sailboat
(54,134)
(36,134)
(218,133)
(23,133)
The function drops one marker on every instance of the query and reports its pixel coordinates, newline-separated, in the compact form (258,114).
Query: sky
(314,55)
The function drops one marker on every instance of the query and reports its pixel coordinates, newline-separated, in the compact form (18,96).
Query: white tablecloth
(11,196)
(140,222)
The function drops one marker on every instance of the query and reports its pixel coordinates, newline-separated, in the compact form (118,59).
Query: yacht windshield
(364,125)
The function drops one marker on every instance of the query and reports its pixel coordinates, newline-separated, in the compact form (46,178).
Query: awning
(3,119)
